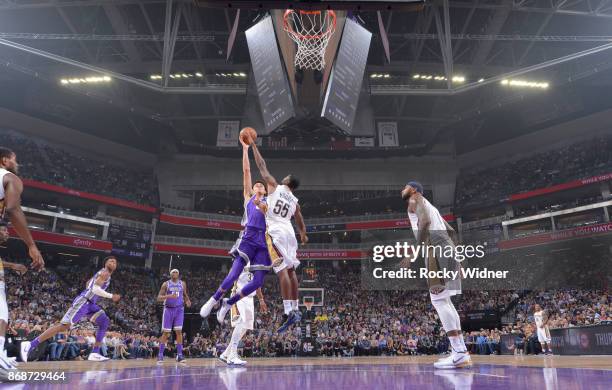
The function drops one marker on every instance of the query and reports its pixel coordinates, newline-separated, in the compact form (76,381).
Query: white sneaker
(24,350)
(223,357)
(96,357)
(6,363)
(207,307)
(225,307)
(455,360)
(12,360)
(234,360)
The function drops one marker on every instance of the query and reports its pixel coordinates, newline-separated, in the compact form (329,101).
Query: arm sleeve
(101,293)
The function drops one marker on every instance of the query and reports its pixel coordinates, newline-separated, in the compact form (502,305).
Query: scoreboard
(270,77)
(128,241)
(344,87)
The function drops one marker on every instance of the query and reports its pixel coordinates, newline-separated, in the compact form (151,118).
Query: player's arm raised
(97,287)
(13,190)
(186,295)
(247,184)
(299,220)
(263,169)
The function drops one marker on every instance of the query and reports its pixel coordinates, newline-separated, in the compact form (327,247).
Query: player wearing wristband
(83,306)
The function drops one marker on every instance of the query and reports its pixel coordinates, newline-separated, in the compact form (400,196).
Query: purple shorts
(172,319)
(252,247)
(81,308)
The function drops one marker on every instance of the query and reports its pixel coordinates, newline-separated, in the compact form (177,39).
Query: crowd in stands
(314,204)
(492,184)
(352,321)
(55,165)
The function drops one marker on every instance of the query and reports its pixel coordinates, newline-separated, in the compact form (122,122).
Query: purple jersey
(88,292)
(177,290)
(253,217)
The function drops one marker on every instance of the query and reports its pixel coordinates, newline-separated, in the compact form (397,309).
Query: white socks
(458,344)
(295,304)
(237,335)
(287,305)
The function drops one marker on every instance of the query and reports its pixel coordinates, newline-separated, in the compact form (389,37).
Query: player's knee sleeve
(3,305)
(447,313)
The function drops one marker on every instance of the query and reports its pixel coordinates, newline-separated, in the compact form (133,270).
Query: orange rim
(287,26)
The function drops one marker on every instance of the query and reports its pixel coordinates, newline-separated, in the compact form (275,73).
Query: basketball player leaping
(250,248)
(242,319)
(10,209)
(83,306)
(430,229)
(282,205)
(541,319)
(173,294)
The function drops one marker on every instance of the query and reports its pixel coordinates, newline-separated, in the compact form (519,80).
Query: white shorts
(3,304)
(243,312)
(285,245)
(444,294)
(544,335)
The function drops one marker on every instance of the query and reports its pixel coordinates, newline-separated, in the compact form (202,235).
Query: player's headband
(174,270)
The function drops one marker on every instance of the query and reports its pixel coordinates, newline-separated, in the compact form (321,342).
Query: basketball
(248,135)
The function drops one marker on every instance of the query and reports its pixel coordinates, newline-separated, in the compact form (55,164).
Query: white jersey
(437,222)
(281,207)
(3,172)
(538,316)
(244,278)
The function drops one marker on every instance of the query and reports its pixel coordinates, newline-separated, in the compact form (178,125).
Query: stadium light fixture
(85,80)
(525,84)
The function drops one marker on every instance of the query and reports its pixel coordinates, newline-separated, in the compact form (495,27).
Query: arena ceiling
(481,40)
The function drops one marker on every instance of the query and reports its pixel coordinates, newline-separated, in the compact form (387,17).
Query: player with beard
(10,210)
(282,244)
(430,229)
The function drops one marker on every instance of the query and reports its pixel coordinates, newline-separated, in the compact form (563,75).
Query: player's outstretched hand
(38,263)
(244,144)
(116,297)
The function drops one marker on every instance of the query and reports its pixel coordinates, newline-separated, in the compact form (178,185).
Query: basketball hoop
(308,302)
(311,31)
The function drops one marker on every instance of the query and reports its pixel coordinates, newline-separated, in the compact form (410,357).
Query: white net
(311,31)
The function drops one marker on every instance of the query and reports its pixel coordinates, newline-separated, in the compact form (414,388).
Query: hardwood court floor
(544,372)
